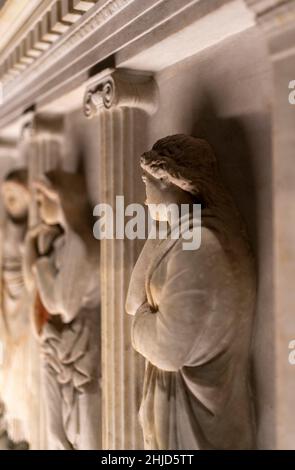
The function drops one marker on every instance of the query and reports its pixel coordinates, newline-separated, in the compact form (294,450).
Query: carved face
(156,195)
(161,193)
(16,199)
(49,206)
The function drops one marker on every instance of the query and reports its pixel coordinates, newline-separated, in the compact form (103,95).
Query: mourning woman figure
(193,309)
(62,262)
(15,387)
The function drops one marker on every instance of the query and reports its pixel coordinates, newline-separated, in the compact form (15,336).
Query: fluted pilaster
(123,102)
(42,146)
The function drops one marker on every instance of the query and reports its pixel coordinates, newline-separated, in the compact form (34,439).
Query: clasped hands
(36,245)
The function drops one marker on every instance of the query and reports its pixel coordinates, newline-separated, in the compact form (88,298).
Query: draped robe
(193,318)
(16,374)
(68,285)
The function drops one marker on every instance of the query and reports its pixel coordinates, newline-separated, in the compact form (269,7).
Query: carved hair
(19,175)
(186,162)
(190,164)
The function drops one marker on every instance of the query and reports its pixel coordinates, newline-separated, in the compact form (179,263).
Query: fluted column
(123,102)
(42,146)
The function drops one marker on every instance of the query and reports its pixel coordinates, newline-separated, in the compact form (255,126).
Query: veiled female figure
(62,261)
(193,309)
(16,387)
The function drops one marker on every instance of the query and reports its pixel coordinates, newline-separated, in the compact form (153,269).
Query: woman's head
(179,169)
(160,194)
(15,193)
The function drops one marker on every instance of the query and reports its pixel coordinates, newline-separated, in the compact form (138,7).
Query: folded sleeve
(62,290)
(195,319)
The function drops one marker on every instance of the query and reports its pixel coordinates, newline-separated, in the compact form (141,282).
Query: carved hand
(145,308)
(31,255)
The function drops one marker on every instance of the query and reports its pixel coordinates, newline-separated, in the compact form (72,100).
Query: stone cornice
(17,17)
(51,32)
(58,30)
(90,45)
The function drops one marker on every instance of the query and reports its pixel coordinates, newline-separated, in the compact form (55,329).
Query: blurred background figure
(14,301)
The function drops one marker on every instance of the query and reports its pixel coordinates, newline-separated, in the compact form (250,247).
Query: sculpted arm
(62,290)
(190,325)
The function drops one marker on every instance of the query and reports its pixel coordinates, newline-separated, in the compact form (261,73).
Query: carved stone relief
(15,387)
(193,310)
(62,260)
